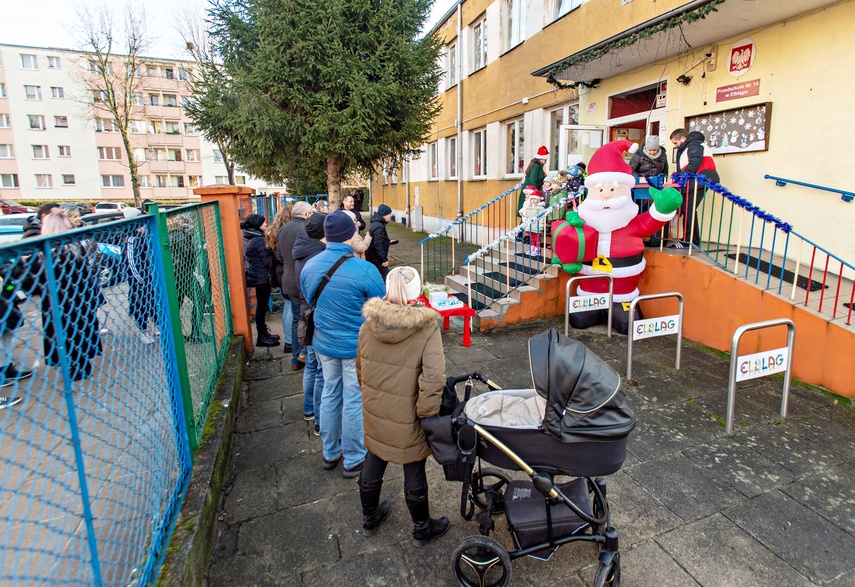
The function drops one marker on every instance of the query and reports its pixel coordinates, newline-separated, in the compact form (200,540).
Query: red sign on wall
(741,57)
(736,91)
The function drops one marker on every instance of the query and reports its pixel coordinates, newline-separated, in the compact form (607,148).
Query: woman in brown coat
(401,369)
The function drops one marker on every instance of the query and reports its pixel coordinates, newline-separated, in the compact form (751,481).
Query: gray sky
(50,23)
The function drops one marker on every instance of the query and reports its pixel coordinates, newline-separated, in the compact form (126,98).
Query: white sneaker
(7,402)
(146,338)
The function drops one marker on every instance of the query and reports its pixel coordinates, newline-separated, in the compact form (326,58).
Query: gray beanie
(652,142)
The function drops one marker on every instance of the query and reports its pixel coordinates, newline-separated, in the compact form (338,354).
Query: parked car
(11,207)
(108,256)
(81,207)
(12,227)
(107,206)
(101,216)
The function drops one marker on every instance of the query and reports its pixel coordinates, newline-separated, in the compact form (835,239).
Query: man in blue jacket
(338,316)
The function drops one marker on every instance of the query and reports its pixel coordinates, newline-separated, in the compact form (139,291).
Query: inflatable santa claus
(605,236)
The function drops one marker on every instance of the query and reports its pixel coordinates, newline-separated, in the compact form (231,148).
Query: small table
(464,311)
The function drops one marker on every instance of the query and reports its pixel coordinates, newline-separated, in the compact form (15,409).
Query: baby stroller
(574,422)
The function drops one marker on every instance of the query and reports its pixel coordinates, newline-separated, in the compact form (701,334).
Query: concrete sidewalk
(774,504)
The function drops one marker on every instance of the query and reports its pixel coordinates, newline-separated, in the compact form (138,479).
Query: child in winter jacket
(533,208)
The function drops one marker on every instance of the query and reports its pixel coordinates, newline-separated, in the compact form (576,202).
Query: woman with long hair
(258,265)
(401,369)
(282,217)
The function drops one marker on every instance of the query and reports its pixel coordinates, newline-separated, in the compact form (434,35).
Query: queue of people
(366,327)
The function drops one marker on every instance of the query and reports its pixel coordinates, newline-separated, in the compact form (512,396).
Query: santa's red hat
(542,153)
(532,192)
(607,164)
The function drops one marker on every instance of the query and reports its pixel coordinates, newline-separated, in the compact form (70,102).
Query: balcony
(165,138)
(166,166)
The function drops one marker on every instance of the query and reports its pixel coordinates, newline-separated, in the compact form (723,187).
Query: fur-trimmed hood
(392,323)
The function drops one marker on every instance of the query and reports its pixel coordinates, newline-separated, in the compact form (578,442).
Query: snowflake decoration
(733,120)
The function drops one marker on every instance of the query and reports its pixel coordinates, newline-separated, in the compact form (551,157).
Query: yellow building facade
(767,82)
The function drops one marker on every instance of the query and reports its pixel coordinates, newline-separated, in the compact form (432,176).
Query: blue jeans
(296,349)
(313,384)
(341,411)
(287,318)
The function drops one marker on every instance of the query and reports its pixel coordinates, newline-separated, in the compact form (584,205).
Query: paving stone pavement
(773,504)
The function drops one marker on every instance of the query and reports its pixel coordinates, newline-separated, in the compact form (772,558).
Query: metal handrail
(782,182)
(466,217)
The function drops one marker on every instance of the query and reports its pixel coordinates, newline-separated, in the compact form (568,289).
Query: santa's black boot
(620,317)
(583,320)
(373,512)
(424,527)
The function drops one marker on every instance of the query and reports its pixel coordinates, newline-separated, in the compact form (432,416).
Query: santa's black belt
(622,261)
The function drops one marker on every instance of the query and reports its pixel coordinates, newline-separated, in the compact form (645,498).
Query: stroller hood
(584,398)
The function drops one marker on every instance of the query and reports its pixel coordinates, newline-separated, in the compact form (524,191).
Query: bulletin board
(738,130)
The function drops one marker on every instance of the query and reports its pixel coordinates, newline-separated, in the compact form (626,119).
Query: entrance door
(577,143)
(656,126)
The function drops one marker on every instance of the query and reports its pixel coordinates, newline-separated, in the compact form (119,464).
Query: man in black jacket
(693,156)
(348,203)
(285,239)
(378,252)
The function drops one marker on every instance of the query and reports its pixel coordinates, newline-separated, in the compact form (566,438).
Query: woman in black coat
(651,160)
(258,263)
(77,297)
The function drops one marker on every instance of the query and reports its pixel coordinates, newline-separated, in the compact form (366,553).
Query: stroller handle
(452,381)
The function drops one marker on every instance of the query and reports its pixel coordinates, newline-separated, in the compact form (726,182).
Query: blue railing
(782,182)
(94,441)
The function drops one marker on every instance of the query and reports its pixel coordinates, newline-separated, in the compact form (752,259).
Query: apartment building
(53,148)
(765,81)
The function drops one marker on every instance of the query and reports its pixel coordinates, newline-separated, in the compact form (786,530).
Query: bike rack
(610,302)
(734,360)
(631,330)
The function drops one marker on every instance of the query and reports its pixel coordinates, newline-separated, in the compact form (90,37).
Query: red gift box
(573,244)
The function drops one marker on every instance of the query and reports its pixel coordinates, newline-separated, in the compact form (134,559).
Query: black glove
(393,242)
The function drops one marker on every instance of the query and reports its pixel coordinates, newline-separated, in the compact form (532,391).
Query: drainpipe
(406,171)
(459,120)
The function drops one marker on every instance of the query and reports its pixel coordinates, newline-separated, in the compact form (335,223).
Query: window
(40,152)
(37,121)
(54,63)
(160,181)
(138,99)
(154,99)
(240,179)
(173,155)
(96,68)
(145,181)
(218,156)
(68,179)
(8,180)
(139,154)
(29,61)
(168,73)
(451,73)
(109,153)
(172,128)
(190,130)
(194,181)
(452,158)
(103,125)
(44,180)
(65,151)
(60,121)
(176,181)
(113,181)
(4,121)
(562,7)
(158,154)
(193,155)
(515,147)
(100,96)
(33,92)
(170,100)
(155,126)
(479,153)
(57,92)
(394,175)
(6,152)
(221,179)
(184,75)
(137,127)
(514,13)
(565,115)
(2,90)
(433,164)
(138,72)
(479,45)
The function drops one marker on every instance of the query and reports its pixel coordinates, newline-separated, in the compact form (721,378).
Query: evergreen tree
(334,86)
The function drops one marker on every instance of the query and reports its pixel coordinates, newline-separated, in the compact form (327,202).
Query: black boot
(424,527)
(372,513)
(266,341)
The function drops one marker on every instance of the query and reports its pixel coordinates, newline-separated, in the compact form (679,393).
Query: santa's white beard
(617,215)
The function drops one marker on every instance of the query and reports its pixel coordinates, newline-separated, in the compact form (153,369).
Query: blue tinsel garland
(681,179)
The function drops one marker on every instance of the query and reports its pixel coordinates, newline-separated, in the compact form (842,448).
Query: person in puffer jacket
(651,160)
(258,260)
(693,156)
(401,368)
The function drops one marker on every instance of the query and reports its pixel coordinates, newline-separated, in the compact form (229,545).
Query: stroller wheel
(608,575)
(480,561)
(489,482)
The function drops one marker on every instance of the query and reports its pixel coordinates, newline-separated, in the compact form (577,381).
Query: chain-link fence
(96,381)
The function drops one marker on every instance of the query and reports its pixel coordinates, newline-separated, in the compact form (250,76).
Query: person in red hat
(534,174)
(605,236)
(532,208)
